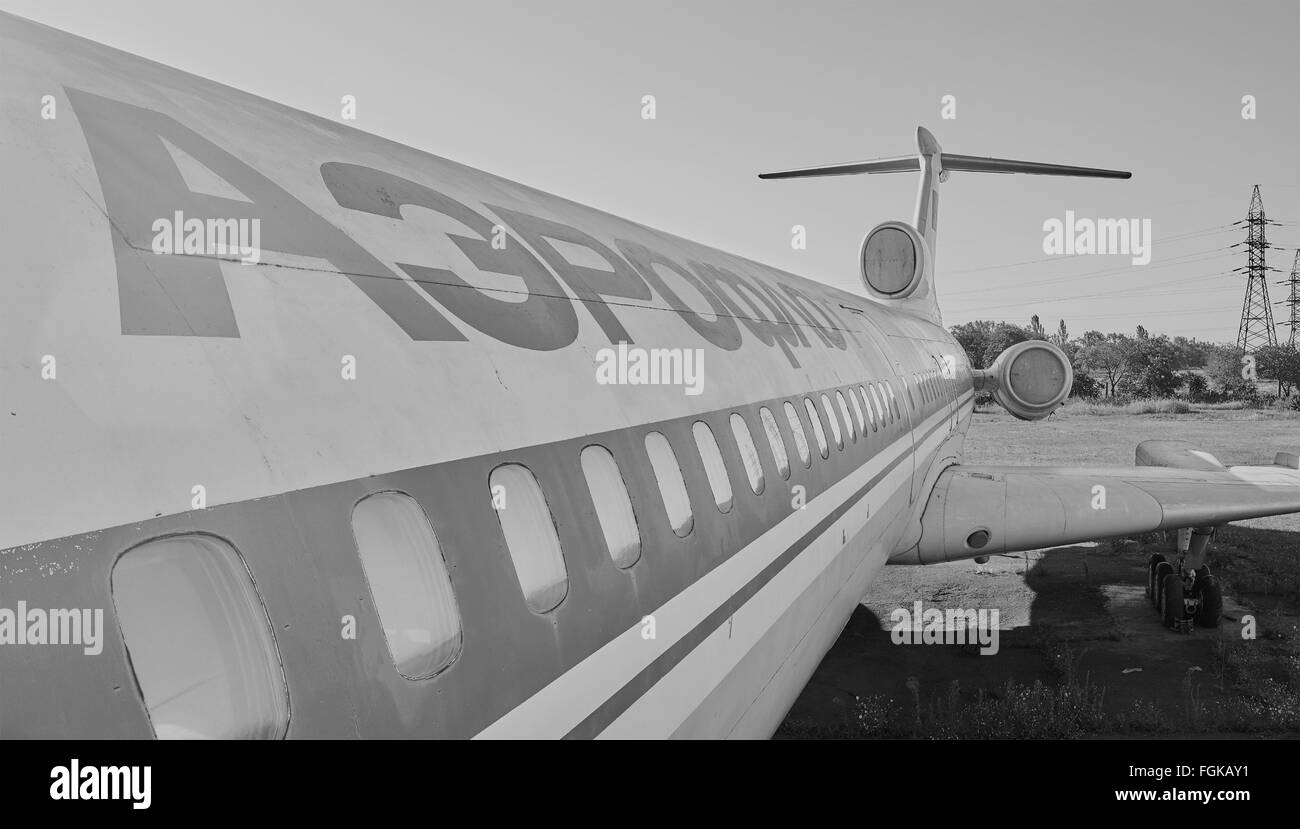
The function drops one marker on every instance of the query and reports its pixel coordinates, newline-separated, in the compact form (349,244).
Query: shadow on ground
(1076,620)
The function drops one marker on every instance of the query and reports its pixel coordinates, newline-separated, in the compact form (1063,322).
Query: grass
(1266,702)
(1137,407)
(1258,680)
(1015,711)
(1072,437)
(1105,407)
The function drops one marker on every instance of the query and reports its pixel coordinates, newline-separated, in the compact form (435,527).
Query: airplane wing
(983,510)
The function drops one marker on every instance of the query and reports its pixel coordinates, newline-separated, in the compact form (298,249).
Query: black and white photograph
(560,370)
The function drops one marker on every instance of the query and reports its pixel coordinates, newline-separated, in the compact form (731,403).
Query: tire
(1151,576)
(1163,569)
(1208,590)
(1171,599)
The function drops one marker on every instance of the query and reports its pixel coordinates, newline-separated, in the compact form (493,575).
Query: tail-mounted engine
(894,260)
(1029,379)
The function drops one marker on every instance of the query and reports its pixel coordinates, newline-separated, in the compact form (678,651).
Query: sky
(551,94)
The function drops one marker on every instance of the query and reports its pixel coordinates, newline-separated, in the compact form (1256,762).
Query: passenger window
(408,580)
(857,411)
(531,537)
(672,487)
(848,419)
(714,468)
(880,408)
(834,422)
(199,641)
(818,432)
(871,412)
(775,441)
(748,452)
(893,401)
(800,437)
(613,505)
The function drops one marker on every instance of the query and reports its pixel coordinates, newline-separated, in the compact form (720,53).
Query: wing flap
(983,510)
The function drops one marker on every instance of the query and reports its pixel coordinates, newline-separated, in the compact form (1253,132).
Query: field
(1082,652)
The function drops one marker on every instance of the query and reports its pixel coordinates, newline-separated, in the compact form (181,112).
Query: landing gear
(1209,597)
(1184,593)
(1151,576)
(1173,608)
(1163,569)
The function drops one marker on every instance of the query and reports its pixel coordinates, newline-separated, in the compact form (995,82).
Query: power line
(1176,237)
(1120,294)
(1215,254)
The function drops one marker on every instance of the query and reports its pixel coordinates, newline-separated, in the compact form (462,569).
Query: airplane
(310,434)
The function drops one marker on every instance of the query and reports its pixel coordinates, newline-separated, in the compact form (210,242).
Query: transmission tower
(1293,299)
(1256,313)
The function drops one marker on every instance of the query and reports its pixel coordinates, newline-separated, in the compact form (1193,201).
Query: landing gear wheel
(1207,589)
(1171,600)
(1163,568)
(1151,576)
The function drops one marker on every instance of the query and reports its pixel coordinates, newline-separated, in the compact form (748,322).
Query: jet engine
(894,261)
(1029,379)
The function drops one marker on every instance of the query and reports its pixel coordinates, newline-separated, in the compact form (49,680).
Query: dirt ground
(1080,611)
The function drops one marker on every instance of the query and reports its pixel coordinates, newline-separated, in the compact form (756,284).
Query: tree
(1196,384)
(984,340)
(973,337)
(1142,333)
(1280,363)
(1190,353)
(1036,330)
(1003,336)
(1084,385)
(1062,336)
(1109,359)
(1149,367)
(1223,367)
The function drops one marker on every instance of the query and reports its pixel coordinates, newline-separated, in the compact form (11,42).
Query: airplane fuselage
(416,341)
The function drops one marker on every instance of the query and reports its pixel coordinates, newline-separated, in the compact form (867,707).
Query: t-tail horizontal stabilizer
(885,253)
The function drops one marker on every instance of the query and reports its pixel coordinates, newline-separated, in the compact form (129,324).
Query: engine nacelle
(894,260)
(1030,379)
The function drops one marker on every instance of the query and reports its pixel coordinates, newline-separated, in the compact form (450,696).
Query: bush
(1165,406)
(1084,387)
(1196,385)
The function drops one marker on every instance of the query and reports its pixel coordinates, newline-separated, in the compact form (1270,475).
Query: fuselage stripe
(648,676)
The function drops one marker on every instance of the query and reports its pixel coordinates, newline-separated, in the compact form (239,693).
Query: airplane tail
(897,259)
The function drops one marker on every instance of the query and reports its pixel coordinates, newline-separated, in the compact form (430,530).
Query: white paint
(571,697)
